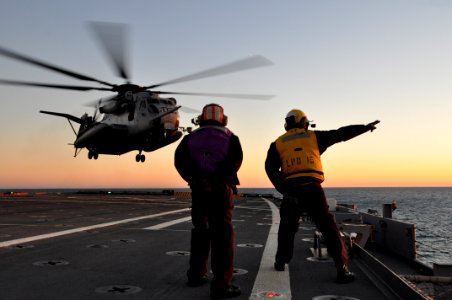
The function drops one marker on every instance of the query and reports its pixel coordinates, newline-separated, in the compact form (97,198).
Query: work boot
(226,292)
(279,266)
(196,281)
(345,276)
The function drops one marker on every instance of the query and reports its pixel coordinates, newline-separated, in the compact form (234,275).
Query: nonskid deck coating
(124,259)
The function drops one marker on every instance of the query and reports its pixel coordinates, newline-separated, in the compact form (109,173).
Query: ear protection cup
(225,120)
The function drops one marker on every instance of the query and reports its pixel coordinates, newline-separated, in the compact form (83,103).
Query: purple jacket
(210,154)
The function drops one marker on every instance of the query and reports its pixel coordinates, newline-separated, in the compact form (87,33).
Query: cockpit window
(152,108)
(142,105)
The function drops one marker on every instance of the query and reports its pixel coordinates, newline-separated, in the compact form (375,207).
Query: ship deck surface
(136,246)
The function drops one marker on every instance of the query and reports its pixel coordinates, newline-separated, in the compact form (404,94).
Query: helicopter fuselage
(139,121)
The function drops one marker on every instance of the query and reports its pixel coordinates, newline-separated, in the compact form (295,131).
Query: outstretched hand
(372,125)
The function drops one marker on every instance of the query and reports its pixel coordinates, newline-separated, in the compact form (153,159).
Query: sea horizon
(178,187)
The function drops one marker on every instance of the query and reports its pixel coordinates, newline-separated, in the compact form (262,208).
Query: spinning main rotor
(112,38)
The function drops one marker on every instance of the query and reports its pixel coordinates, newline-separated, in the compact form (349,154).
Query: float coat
(299,154)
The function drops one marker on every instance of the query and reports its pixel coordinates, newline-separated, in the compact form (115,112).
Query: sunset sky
(342,62)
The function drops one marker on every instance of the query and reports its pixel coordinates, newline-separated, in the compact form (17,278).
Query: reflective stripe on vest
(299,154)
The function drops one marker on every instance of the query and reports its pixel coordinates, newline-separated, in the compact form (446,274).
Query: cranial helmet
(296,119)
(213,114)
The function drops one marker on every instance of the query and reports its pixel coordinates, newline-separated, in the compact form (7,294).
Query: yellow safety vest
(299,154)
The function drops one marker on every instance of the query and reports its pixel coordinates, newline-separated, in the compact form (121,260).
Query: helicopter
(135,118)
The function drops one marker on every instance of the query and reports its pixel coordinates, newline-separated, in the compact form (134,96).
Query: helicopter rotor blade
(99,102)
(20,57)
(252,62)
(220,95)
(55,86)
(112,37)
(67,116)
(96,110)
(189,110)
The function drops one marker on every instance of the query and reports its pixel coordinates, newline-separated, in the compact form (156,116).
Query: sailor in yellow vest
(294,167)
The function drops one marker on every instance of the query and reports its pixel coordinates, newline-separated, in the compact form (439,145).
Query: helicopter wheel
(140,158)
(93,154)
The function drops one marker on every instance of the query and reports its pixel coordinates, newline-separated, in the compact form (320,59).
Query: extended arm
(331,137)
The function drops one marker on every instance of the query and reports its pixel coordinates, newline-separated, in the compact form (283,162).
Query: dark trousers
(212,230)
(311,199)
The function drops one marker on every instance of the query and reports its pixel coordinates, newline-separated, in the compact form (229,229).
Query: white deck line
(167,224)
(80,229)
(268,279)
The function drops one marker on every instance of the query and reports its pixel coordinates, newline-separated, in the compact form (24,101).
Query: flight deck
(136,246)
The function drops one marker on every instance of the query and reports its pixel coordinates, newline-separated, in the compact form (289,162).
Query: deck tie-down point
(178,253)
(269,295)
(52,263)
(249,245)
(97,246)
(125,241)
(237,272)
(119,289)
(20,246)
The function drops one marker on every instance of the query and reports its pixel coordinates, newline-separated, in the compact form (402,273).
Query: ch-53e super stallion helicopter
(136,118)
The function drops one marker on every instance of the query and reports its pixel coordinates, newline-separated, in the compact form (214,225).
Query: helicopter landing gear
(93,154)
(140,157)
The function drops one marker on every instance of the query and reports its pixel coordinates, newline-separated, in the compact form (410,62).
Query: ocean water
(429,208)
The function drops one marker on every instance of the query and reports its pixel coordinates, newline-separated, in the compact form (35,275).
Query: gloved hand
(371,126)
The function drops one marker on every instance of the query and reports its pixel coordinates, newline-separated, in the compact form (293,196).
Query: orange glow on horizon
(366,168)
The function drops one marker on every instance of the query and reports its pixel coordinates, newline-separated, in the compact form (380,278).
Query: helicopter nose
(90,135)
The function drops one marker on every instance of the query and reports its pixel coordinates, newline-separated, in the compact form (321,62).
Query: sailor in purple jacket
(208,159)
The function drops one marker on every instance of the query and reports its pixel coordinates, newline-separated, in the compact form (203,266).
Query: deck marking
(267,278)
(75,230)
(255,208)
(168,224)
